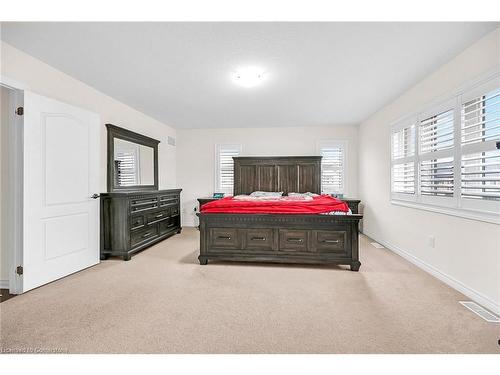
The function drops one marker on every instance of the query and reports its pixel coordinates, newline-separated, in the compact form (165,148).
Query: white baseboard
(448,280)
(4,284)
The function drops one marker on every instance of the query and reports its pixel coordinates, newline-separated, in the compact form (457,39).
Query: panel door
(61,173)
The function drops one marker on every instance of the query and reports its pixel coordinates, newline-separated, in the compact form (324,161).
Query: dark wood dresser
(133,221)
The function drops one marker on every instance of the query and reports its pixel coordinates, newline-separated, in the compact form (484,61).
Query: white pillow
(266,194)
(308,194)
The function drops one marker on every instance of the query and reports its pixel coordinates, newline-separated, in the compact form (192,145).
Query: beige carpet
(162,301)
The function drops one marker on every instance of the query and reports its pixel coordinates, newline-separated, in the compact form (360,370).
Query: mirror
(132,160)
(134,164)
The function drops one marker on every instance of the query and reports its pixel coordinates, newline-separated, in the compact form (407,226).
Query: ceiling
(180,73)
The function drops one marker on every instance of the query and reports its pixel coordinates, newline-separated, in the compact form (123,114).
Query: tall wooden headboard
(298,174)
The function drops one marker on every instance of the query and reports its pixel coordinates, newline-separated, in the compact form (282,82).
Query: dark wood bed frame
(279,238)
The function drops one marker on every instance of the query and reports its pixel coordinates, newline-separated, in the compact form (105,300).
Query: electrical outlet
(431,241)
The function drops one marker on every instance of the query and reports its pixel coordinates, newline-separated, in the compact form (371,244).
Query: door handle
(95,196)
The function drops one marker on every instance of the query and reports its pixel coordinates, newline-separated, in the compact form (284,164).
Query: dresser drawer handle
(159,215)
(170,225)
(224,237)
(295,239)
(258,238)
(331,241)
(146,234)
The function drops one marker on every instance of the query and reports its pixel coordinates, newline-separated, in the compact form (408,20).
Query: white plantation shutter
(403,159)
(480,158)
(126,165)
(225,167)
(436,135)
(481,119)
(456,166)
(436,177)
(332,167)
(437,132)
(481,175)
(403,178)
(403,143)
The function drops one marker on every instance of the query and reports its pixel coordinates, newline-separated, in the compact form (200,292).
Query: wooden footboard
(278,238)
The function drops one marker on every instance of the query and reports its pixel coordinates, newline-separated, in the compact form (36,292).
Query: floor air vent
(478,310)
(377,245)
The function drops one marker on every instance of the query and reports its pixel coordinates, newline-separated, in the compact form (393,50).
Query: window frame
(344,144)
(482,210)
(218,148)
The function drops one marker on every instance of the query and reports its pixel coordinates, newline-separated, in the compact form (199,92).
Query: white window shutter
(403,159)
(481,175)
(436,154)
(403,143)
(332,167)
(481,119)
(126,166)
(436,177)
(403,178)
(225,167)
(436,133)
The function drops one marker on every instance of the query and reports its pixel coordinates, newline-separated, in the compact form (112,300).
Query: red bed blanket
(318,205)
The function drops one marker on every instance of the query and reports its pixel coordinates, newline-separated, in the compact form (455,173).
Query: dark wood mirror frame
(127,135)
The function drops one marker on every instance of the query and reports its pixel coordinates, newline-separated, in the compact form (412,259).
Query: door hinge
(20,111)
(19,270)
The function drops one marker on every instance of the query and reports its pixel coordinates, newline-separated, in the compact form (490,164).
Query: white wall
(196,155)
(45,80)
(467,252)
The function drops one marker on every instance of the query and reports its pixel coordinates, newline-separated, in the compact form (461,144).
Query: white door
(61,173)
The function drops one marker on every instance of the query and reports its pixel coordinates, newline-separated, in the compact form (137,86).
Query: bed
(285,230)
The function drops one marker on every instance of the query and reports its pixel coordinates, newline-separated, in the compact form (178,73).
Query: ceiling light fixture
(249,76)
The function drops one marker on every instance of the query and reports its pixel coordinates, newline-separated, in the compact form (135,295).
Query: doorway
(50,171)
(10,190)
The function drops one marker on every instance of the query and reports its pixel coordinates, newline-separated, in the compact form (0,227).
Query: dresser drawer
(329,241)
(157,216)
(293,240)
(224,238)
(174,211)
(167,226)
(136,222)
(168,200)
(258,239)
(141,205)
(139,236)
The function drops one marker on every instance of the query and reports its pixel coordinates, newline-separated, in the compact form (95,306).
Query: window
(403,152)
(481,175)
(447,159)
(436,154)
(480,161)
(225,167)
(333,166)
